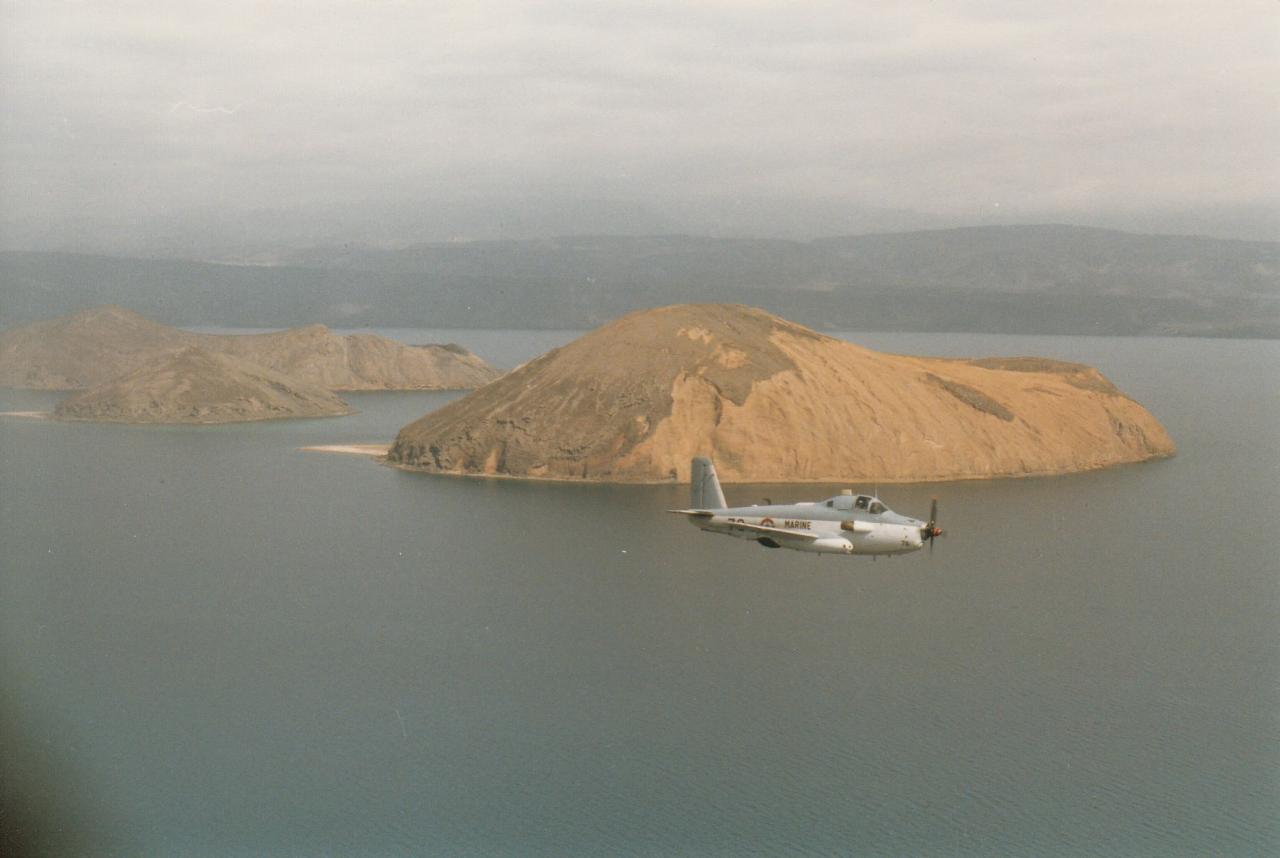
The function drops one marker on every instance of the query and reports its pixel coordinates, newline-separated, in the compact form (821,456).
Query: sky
(155,126)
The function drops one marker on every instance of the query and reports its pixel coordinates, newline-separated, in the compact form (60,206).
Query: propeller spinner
(931,530)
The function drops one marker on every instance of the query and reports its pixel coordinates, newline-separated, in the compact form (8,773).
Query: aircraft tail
(704,486)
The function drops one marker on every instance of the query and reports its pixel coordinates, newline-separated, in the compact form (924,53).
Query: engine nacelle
(829,545)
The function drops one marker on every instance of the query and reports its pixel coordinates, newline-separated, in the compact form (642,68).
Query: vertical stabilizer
(704,487)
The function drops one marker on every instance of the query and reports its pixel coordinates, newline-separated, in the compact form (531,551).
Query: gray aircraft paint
(843,524)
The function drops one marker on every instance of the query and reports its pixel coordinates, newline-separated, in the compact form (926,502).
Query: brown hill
(84,349)
(770,400)
(94,346)
(199,386)
(359,361)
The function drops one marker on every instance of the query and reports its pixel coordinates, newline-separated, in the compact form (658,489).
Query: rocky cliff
(770,400)
(95,346)
(198,386)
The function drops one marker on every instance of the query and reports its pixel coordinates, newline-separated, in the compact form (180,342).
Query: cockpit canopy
(859,503)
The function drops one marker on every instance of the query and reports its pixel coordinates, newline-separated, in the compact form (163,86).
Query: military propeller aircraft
(844,524)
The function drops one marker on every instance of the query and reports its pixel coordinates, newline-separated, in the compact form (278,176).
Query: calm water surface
(216,644)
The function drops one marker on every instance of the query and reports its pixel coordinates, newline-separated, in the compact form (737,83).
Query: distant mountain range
(1009,279)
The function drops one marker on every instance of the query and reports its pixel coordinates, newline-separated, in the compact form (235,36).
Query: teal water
(216,644)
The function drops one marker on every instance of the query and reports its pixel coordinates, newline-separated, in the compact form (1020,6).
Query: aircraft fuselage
(844,524)
(836,532)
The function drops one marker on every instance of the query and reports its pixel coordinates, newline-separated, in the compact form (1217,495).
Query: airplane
(844,524)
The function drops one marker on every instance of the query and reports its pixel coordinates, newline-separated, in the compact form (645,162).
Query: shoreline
(1066,472)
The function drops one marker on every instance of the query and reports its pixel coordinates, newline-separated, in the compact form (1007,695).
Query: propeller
(931,530)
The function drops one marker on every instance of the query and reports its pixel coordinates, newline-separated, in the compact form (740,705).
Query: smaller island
(199,386)
(134,370)
(98,345)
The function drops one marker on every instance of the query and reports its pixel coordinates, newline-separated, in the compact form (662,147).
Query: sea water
(215,643)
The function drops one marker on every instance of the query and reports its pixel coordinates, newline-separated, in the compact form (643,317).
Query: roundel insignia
(766,522)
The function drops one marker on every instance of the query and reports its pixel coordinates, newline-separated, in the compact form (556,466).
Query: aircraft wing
(780,532)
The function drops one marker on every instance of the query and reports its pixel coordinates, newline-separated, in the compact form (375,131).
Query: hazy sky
(122,120)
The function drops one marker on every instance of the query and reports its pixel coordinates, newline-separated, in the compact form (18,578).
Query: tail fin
(704,487)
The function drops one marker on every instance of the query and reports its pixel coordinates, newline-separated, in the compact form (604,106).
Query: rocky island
(317,355)
(772,401)
(195,385)
(95,346)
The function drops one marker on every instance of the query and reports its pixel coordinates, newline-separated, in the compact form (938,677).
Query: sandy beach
(29,415)
(375,450)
